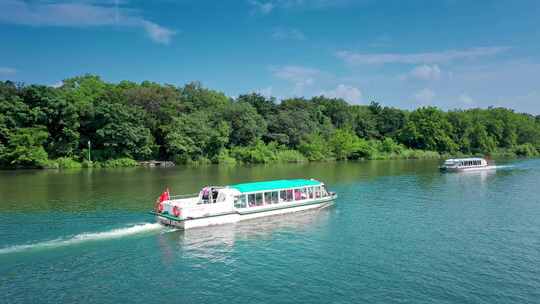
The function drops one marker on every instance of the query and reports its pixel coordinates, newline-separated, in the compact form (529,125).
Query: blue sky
(448,53)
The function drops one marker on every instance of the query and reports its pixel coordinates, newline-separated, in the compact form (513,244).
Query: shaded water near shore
(400,231)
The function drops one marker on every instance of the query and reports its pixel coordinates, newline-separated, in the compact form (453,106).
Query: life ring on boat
(160,207)
(176,211)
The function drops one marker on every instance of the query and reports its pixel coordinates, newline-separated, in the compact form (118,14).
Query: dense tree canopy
(39,124)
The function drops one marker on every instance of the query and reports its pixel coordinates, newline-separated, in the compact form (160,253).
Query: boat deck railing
(181,196)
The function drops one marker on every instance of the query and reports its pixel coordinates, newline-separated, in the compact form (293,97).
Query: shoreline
(138,164)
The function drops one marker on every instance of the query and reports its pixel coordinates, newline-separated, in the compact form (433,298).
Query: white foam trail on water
(85,237)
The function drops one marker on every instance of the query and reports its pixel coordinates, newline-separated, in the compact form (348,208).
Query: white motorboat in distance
(215,205)
(466,164)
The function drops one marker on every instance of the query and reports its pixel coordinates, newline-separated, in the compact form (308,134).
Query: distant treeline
(47,127)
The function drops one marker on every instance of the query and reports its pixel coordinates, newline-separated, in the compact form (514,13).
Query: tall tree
(264,106)
(428,129)
(247,126)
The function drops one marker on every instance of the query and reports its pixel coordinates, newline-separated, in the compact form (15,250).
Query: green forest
(51,127)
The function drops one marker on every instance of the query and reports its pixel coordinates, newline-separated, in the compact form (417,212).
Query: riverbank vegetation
(50,127)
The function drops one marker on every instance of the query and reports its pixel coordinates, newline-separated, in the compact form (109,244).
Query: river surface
(400,232)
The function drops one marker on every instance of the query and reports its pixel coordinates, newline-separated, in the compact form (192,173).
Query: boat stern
(168,220)
(173,212)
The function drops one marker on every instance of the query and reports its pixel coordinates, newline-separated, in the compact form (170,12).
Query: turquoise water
(400,232)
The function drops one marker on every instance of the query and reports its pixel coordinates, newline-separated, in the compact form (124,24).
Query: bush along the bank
(68,163)
(119,163)
(47,127)
(63,163)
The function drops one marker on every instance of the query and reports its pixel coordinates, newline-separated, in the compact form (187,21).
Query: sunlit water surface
(400,232)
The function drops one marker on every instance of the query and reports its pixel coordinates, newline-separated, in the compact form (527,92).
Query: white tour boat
(215,205)
(466,164)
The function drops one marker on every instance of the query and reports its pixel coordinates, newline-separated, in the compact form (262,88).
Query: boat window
(275,198)
(310,192)
(267,198)
(251,200)
(297,194)
(324,191)
(303,193)
(317,192)
(282,195)
(240,201)
(289,196)
(258,199)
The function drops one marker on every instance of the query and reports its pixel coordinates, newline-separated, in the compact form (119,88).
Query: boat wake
(84,237)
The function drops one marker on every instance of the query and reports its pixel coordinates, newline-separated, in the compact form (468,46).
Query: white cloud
(57,84)
(268,6)
(288,34)
(466,99)
(348,93)
(354,58)
(6,71)
(301,77)
(266,92)
(262,7)
(424,96)
(425,72)
(83,14)
(157,33)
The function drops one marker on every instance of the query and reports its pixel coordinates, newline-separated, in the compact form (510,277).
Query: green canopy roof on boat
(275,185)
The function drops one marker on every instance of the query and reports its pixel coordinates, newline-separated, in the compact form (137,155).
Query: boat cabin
(465,162)
(260,194)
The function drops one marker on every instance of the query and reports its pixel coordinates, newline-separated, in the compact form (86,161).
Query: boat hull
(236,216)
(484,168)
